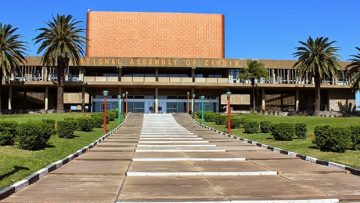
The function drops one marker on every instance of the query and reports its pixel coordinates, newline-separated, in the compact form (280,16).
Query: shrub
(265,126)
(283,131)
(198,114)
(221,120)
(332,139)
(7,132)
(86,124)
(65,128)
(74,124)
(210,116)
(111,115)
(49,124)
(251,127)
(32,135)
(355,136)
(300,130)
(98,120)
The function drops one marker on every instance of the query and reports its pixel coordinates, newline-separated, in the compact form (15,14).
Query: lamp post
(228,94)
(193,105)
(105,93)
(202,109)
(123,100)
(126,100)
(119,109)
(188,102)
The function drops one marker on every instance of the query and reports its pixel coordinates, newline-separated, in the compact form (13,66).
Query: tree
(353,70)
(254,71)
(12,52)
(61,43)
(317,59)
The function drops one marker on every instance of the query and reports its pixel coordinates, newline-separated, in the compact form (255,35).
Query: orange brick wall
(133,34)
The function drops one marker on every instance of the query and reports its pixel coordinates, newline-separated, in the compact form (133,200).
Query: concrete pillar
(263,97)
(297,101)
(83,99)
(156,76)
(273,75)
(46,106)
(156,100)
(10,98)
(81,73)
(193,74)
(120,75)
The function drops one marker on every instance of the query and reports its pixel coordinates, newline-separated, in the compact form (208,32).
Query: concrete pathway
(162,158)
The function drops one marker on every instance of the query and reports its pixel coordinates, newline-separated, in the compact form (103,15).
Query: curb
(6,192)
(352,170)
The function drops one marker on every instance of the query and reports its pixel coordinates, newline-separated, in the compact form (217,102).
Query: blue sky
(258,29)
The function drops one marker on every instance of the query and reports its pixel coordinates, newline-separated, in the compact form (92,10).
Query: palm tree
(317,59)
(254,71)
(61,43)
(353,70)
(12,52)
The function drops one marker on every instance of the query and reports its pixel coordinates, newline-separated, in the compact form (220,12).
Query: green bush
(265,126)
(332,139)
(220,120)
(210,116)
(111,115)
(86,124)
(355,136)
(49,124)
(33,135)
(98,121)
(283,131)
(251,127)
(7,132)
(198,114)
(300,130)
(65,128)
(234,122)
(74,124)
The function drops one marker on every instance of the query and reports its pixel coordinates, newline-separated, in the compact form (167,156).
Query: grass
(16,164)
(302,146)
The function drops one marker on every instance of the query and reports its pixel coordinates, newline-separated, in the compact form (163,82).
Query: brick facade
(133,34)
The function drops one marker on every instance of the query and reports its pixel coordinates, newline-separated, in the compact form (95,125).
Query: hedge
(332,139)
(265,126)
(98,120)
(210,116)
(73,124)
(283,131)
(251,127)
(65,128)
(7,132)
(220,120)
(33,135)
(50,125)
(300,130)
(86,124)
(355,137)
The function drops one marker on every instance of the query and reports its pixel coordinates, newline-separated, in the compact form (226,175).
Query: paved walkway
(160,157)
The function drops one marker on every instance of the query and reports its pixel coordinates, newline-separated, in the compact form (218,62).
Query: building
(159,59)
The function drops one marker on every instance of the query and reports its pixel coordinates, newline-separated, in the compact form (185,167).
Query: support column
(156,100)
(119,77)
(193,74)
(263,97)
(81,74)
(83,99)
(46,106)
(297,101)
(156,76)
(10,98)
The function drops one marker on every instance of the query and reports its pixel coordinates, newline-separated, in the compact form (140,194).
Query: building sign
(161,62)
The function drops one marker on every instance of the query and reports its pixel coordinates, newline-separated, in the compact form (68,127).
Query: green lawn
(16,164)
(306,147)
